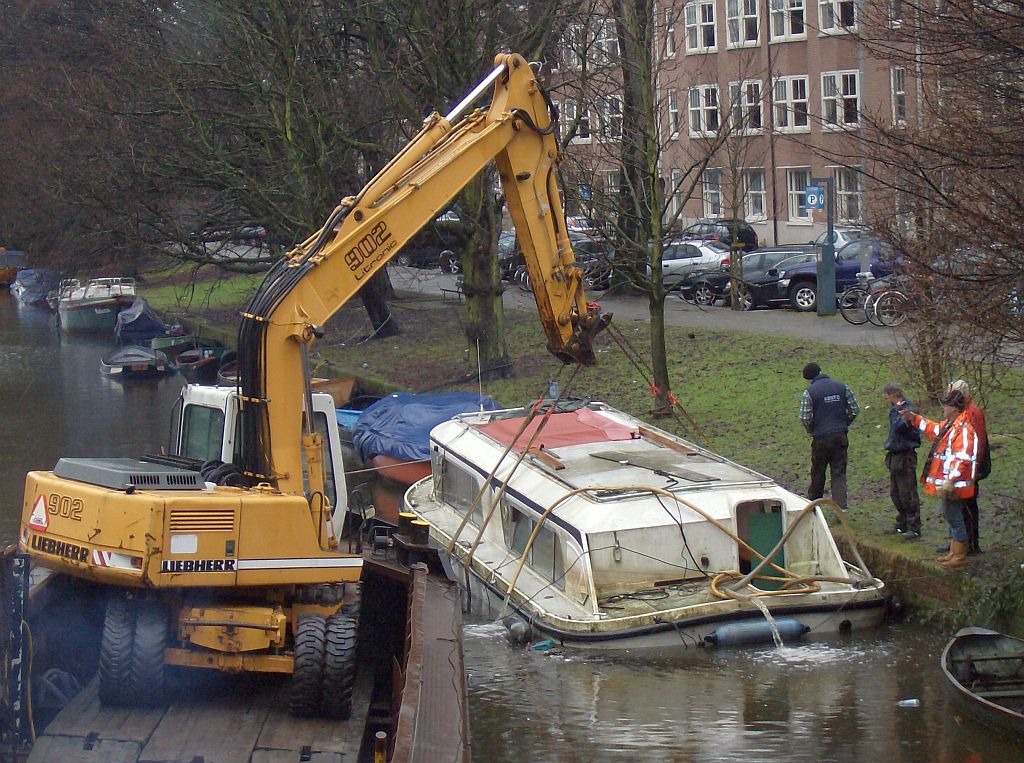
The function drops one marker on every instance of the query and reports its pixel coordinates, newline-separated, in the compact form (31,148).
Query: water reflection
(818,701)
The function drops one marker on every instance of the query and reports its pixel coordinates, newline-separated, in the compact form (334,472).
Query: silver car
(681,259)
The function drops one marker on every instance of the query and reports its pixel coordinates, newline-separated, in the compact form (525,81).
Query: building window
(703,110)
(754,198)
(840,99)
(677,198)
(673,114)
(797,181)
(788,19)
(746,105)
(895,13)
(670,32)
(711,185)
(700,26)
(610,116)
(848,195)
(836,16)
(606,43)
(582,133)
(612,185)
(899,96)
(574,45)
(742,17)
(791,114)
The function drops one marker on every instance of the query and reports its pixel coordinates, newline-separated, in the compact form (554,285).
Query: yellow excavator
(240,569)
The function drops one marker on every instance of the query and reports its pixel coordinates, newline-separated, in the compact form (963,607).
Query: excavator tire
(353,600)
(306,693)
(148,674)
(115,665)
(339,666)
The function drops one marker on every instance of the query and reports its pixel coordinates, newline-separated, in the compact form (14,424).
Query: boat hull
(821,618)
(984,673)
(99,317)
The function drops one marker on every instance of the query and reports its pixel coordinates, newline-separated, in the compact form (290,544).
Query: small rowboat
(985,671)
(134,361)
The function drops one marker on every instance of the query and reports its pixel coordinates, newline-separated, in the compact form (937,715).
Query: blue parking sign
(814,197)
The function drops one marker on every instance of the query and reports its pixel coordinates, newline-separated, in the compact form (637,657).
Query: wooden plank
(51,749)
(284,732)
(85,715)
(220,726)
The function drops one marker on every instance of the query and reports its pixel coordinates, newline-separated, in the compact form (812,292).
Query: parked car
(680,259)
(800,283)
(843,235)
(722,230)
(251,235)
(759,272)
(581,224)
(436,245)
(594,256)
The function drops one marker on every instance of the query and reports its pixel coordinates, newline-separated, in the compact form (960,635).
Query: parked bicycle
(873,300)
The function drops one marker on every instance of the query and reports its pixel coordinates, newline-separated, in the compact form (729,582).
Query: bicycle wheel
(851,305)
(891,308)
(869,307)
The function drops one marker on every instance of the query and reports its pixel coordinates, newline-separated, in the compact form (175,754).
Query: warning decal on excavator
(39,520)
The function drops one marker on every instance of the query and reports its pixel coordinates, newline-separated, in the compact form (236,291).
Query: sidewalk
(779,321)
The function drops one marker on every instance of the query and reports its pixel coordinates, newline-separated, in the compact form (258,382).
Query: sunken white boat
(594,529)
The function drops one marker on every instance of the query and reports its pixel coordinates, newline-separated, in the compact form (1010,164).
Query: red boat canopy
(562,429)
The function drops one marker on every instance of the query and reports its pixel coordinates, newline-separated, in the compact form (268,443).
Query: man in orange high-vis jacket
(974,414)
(949,469)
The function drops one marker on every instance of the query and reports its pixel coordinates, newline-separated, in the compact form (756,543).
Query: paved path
(833,330)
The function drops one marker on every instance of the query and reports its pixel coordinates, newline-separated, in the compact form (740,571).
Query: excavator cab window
(320,427)
(202,432)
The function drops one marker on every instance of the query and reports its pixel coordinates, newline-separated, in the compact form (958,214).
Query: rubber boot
(948,555)
(958,556)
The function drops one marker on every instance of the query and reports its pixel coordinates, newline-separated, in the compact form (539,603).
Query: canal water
(832,700)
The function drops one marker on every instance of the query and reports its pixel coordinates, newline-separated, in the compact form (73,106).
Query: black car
(722,229)
(799,284)
(438,244)
(594,256)
(762,270)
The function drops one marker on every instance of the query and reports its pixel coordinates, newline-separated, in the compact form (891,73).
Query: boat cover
(33,284)
(399,425)
(560,430)
(138,324)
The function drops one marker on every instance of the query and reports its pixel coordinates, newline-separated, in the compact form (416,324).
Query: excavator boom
(365,231)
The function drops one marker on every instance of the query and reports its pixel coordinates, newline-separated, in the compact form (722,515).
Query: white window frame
(611,184)
(700,19)
(711,192)
(670,32)
(606,42)
(738,23)
(584,125)
(672,106)
(575,44)
(701,107)
(830,14)
(786,104)
(797,180)
(836,95)
(609,117)
(676,179)
(746,106)
(755,197)
(782,13)
(898,81)
(849,195)
(895,14)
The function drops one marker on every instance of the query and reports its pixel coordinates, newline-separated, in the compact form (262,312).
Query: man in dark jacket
(827,408)
(901,460)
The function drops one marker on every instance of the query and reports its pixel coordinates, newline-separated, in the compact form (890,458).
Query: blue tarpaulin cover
(399,425)
(138,324)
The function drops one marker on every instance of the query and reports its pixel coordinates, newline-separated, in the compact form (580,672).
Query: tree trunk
(374,295)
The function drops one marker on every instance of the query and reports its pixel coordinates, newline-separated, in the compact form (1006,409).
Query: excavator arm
(365,231)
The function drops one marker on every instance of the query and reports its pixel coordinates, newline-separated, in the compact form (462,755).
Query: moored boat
(138,323)
(984,671)
(11,261)
(200,364)
(94,305)
(604,532)
(32,285)
(134,361)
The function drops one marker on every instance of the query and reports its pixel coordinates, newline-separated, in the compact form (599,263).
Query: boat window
(458,489)
(544,553)
(522,528)
(320,427)
(202,432)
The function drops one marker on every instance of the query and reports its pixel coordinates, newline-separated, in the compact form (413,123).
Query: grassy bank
(742,390)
